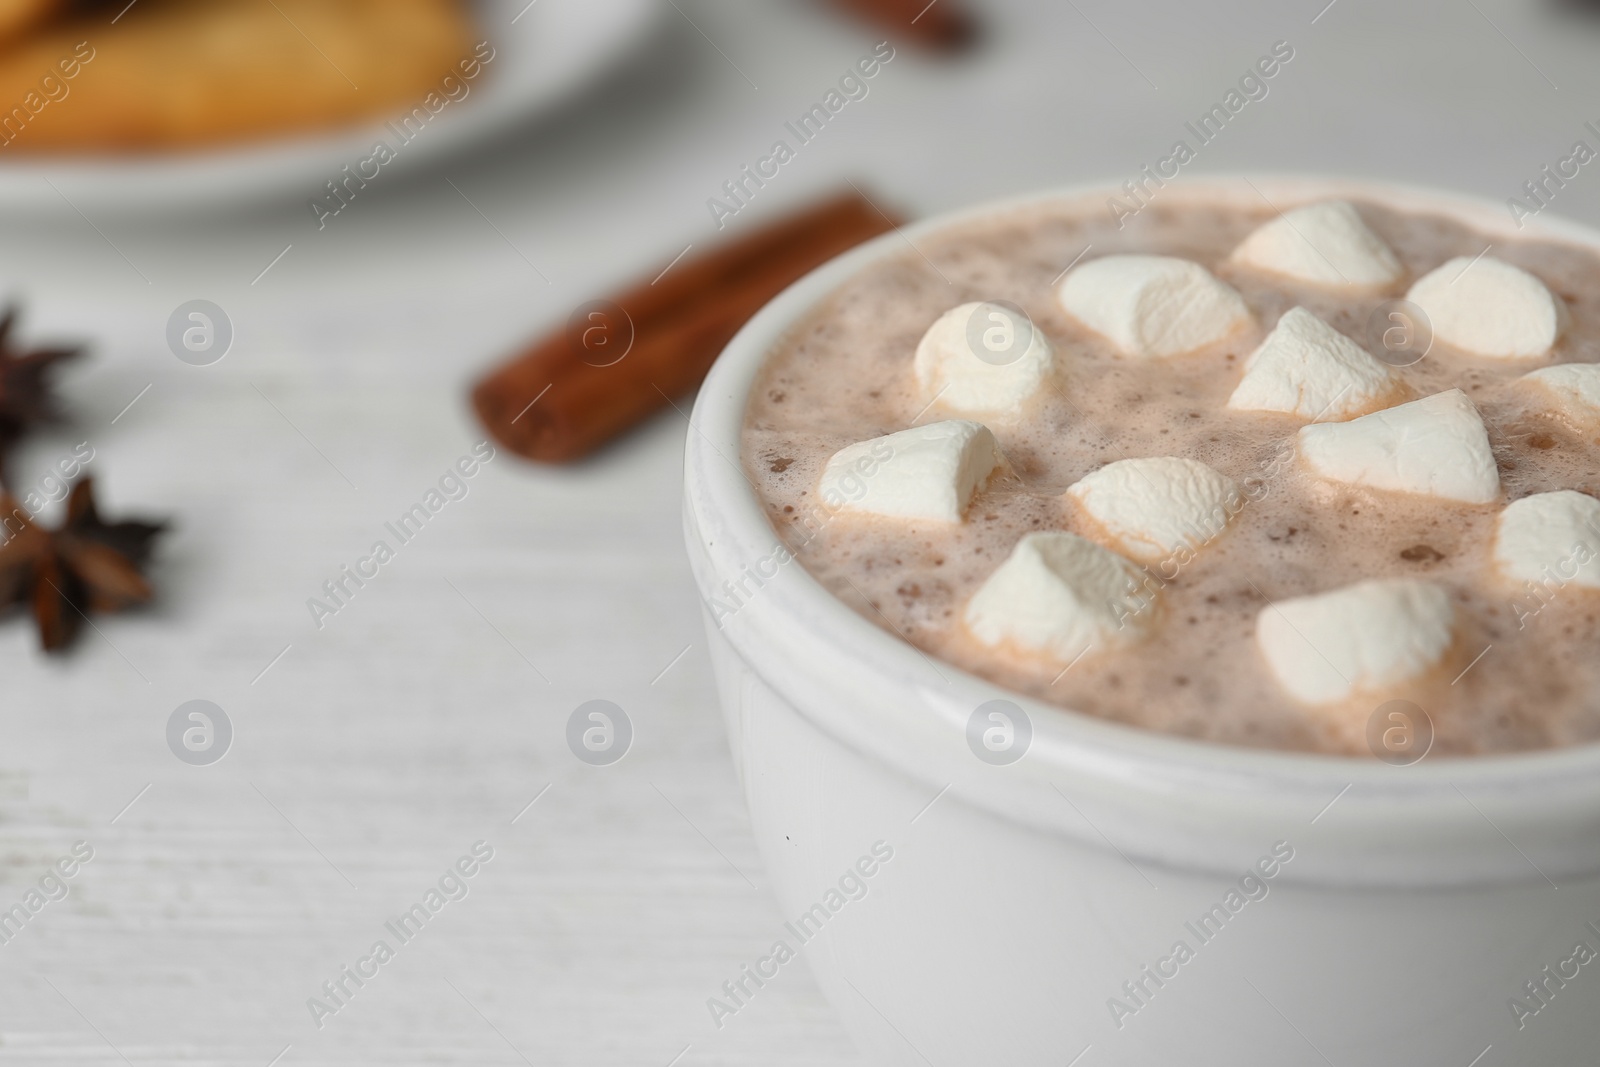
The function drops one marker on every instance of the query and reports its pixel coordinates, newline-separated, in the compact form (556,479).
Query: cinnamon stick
(618,361)
(941,26)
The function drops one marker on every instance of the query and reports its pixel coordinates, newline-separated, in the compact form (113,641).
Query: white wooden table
(430,710)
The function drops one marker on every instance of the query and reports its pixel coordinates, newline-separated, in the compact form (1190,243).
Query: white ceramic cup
(1032,912)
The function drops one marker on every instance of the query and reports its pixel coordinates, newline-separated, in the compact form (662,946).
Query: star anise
(25,396)
(84,565)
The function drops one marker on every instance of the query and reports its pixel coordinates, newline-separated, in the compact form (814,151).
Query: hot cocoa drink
(1235,471)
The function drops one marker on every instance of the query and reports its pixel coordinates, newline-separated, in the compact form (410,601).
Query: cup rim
(724,507)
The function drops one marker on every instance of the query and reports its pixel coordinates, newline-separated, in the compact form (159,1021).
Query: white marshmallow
(1436,446)
(1059,595)
(1327,244)
(1150,508)
(926,472)
(1550,537)
(982,359)
(1573,388)
(1307,368)
(1360,639)
(1152,306)
(1490,308)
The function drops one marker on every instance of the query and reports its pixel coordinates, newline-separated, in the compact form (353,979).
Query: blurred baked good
(186,73)
(19,16)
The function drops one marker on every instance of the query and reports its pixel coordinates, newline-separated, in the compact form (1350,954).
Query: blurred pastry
(19,16)
(188,73)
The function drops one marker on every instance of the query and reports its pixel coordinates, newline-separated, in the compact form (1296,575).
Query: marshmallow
(982,359)
(1363,638)
(1059,595)
(1435,446)
(1574,389)
(1150,508)
(1550,537)
(1325,243)
(1307,368)
(1490,308)
(926,472)
(1152,306)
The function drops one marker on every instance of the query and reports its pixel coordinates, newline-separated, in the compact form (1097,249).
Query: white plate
(545,52)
